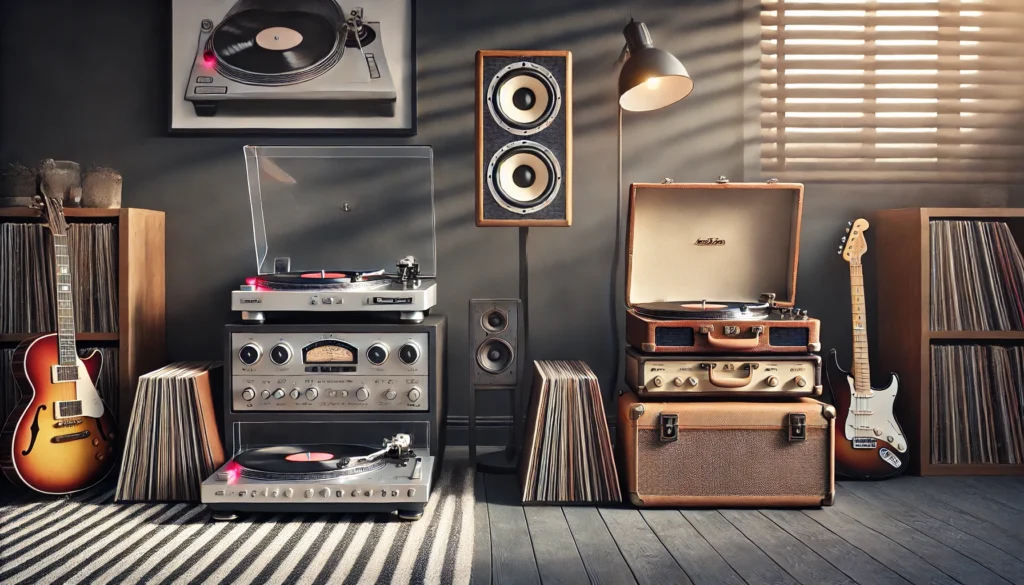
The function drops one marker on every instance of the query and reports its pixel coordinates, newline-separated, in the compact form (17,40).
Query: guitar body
(46,452)
(884,459)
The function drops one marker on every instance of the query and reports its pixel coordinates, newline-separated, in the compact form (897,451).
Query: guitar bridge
(864,443)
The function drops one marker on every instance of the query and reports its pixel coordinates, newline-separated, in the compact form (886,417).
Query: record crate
(139,337)
(903,242)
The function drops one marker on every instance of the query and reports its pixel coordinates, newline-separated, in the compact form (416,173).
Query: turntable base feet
(224,516)
(205,108)
(410,514)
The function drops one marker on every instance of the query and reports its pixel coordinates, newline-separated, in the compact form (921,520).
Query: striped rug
(89,539)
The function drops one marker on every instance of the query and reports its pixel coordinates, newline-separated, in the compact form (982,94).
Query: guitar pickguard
(880,423)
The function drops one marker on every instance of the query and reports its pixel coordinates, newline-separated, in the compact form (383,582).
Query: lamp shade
(651,78)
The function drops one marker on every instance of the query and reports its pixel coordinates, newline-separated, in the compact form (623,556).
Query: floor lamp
(650,79)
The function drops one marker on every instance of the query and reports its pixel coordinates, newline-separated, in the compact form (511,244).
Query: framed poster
(297,66)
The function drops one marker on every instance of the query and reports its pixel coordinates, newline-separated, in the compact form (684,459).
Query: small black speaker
(524,138)
(494,334)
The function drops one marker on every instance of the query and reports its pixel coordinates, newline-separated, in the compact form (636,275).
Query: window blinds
(926,90)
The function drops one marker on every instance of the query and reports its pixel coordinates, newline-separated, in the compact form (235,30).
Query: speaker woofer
(524,177)
(524,98)
(494,321)
(494,355)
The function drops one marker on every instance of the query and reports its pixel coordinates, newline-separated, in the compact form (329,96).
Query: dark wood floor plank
(928,503)
(512,559)
(900,560)
(557,558)
(982,508)
(699,559)
(481,573)
(802,563)
(752,564)
(1002,492)
(597,548)
(994,559)
(849,559)
(643,551)
(942,557)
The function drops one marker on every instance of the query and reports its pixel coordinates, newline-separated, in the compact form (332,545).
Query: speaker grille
(789,336)
(670,337)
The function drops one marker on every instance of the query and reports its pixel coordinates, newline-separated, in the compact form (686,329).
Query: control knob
(390,394)
(800,381)
(294,394)
(311,393)
(658,382)
(281,354)
(414,394)
(279,393)
(265,394)
(326,492)
(250,354)
(409,353)
(309,493)
(772,381)
(362,394)
(377,354)
(691,381)
(248,394)
(677,382)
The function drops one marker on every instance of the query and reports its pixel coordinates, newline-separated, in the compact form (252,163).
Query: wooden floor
(907,530)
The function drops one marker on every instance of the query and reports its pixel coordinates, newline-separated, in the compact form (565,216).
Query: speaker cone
(494,321)
(524,98)
(524,177)
(494,355)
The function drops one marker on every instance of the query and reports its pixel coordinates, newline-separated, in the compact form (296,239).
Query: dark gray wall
(87,81)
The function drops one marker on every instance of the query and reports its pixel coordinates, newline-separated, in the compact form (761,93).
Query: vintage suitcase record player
(712,267)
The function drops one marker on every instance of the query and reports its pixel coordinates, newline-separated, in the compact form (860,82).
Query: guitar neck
(65,303)
(861,367)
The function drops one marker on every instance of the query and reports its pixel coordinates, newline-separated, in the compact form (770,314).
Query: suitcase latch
(797,426)
(668,425)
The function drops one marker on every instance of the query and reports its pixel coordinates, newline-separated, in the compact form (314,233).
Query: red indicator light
(209,59)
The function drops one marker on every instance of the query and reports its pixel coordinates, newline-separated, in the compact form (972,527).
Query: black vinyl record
(324,279)
(305,461)
(703,310)
(236,44)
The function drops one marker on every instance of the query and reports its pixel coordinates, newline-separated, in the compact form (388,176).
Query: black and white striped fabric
(89,539)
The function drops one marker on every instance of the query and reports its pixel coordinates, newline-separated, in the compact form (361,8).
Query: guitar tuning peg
(843,240)
(847,230)
(849,223)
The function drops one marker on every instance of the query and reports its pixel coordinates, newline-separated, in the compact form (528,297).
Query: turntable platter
(326,280)
(703,310)
(305,462)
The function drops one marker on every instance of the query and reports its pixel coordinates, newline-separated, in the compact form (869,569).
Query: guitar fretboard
(861,368)
(65,305)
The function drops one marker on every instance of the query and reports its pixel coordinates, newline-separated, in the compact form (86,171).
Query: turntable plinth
(772,334)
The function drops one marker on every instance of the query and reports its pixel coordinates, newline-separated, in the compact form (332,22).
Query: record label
(278,38)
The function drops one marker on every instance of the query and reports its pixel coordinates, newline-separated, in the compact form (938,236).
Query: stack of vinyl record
(977,277)
(977,404)
(107,385)
(172,443)
(567,455)
(27,276)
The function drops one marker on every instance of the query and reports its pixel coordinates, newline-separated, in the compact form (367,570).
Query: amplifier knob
(677,382)
(294,394)
(411,492)
(772,381)
(311,393)
(309,493)
(362,394)
(800,381)
(658,382)
(344,393)
(691,381)
(326,492)
(250,354)
(248,394)
(409,353)
(265,394)
(289,492)
(414,394)
(390,394)
(377,354)
(281,354)
(275,493)
(279,393)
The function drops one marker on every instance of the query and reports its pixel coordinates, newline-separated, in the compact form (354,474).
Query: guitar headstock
(854,245)
(52,211)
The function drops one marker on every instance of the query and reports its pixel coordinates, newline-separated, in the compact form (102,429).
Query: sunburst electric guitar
(869,441)
(60,437)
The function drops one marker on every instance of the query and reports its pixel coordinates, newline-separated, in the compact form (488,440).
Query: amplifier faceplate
(667,377)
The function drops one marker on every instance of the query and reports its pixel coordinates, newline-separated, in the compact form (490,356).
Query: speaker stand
(506,461)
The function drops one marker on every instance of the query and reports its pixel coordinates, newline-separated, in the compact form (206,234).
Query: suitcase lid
(728,414)
(713,241)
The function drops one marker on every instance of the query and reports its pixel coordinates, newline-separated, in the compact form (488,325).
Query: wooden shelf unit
(141,295)
(901,238)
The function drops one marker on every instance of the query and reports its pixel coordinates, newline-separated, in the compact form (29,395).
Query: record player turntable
(295,50)
(317,208)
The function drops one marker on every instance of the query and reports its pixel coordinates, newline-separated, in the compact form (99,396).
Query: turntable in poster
(721,327)
(323,477)
(300,50)
(671,376)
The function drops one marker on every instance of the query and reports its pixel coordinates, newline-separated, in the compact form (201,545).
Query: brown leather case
(727,454)
(773,335)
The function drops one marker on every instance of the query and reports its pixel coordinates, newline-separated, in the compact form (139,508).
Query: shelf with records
(950,286)
(118,289)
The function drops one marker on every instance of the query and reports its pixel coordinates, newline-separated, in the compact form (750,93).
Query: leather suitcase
(727,454)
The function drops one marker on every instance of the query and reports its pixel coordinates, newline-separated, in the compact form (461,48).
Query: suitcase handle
(733,343)
(730,382)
